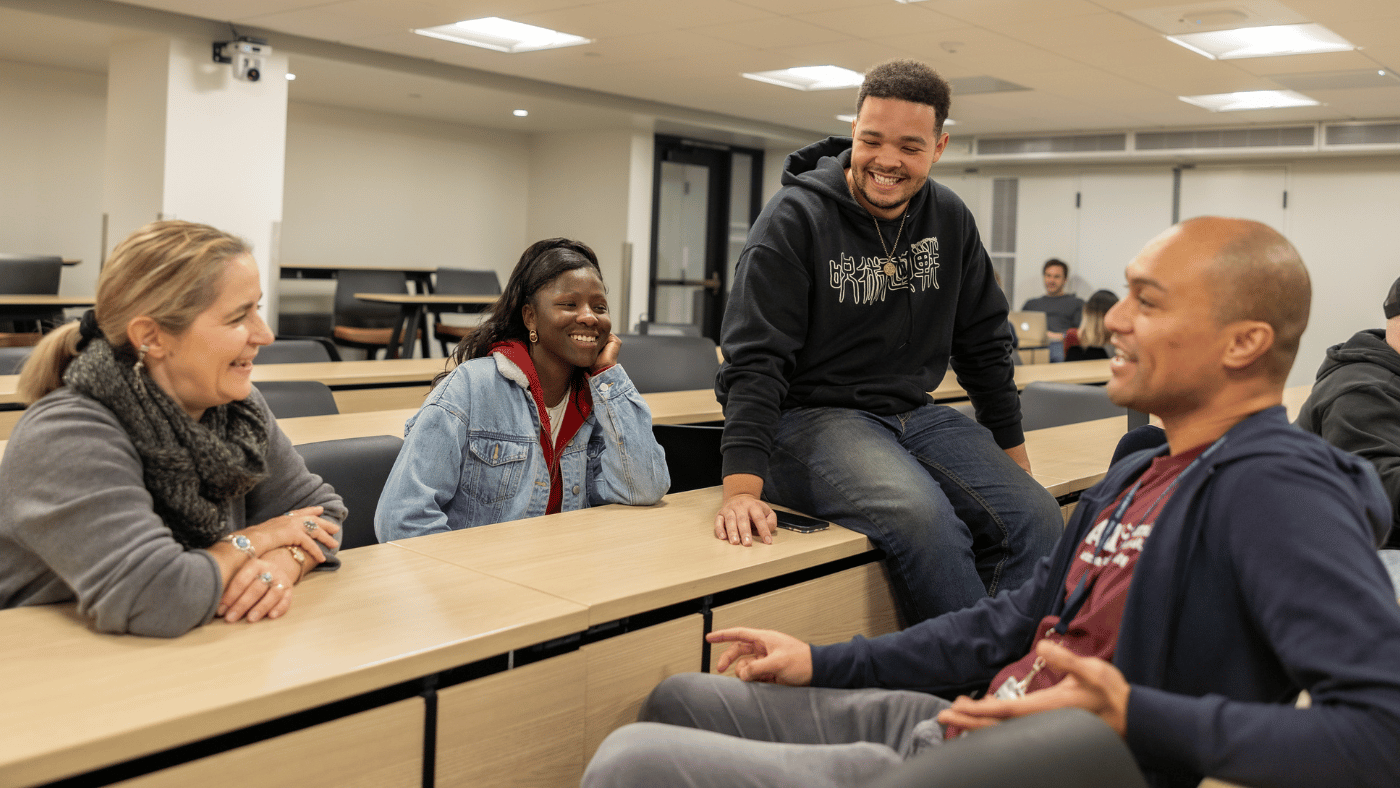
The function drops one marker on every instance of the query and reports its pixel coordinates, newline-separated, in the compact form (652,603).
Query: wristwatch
(242,544)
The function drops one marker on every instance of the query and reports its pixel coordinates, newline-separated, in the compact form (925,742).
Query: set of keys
(1012,689)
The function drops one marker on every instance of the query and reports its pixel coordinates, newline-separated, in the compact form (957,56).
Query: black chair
(1053,404)
(460,281)
(1067,748)
(296,351)
(11,359)
(669,363)
(692,454)
(667,329)
(291,399)
(365,324)
(29,275)
(357,468)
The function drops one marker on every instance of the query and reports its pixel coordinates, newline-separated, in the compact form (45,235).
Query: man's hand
(1018,454)
(764,655)
(1089,683)
(1055,336)
(743,515)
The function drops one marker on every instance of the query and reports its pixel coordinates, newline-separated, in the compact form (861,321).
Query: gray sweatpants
(698,729)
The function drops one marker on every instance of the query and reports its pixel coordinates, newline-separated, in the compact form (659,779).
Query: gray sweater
(76,521)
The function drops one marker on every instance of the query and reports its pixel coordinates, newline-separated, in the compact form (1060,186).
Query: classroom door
(705,200)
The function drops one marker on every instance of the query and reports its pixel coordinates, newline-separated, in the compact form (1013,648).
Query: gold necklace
(889,256)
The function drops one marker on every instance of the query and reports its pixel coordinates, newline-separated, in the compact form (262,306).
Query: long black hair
(538,266)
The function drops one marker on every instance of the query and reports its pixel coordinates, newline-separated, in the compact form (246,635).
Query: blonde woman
(1090,339)
(130,483)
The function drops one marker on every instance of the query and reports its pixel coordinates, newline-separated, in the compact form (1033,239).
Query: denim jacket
(472,455)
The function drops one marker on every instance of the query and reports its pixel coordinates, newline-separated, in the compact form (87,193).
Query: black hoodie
(815,320)
(1355,405)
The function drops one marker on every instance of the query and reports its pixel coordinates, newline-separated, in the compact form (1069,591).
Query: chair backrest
(351,311)
(692,454)
(1053,404)
(30,275)
(293,351)
(462,281)
(357,468)
(290,399)
(669,363)
(668,329)
(11,358)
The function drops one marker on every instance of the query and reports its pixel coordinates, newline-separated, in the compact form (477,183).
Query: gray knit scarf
(192,470)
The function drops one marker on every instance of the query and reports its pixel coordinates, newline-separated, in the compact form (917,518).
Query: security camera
(246,55)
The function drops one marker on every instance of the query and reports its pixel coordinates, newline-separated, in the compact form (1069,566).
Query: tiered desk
(496,655)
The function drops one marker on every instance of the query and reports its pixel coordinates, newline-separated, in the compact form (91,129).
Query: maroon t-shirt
(1093,632)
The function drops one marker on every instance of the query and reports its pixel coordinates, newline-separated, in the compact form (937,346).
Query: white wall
(51,158)
(366,189)
(1338,215)
(580,183)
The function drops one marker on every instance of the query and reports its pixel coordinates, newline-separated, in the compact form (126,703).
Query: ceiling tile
(774,33)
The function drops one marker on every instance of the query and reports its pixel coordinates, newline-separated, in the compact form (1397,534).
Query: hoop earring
(534,337)
(141,359)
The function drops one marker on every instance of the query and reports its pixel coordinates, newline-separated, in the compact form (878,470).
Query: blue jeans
(1057,352)
(956,517)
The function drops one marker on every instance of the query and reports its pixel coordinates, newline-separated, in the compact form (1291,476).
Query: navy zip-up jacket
(1260,579)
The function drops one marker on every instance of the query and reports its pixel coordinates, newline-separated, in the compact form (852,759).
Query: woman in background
(1091,339)
(536,418)
(129,482)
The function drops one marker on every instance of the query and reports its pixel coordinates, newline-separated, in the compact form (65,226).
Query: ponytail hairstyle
(1091,329)
(168,271)
(538,266)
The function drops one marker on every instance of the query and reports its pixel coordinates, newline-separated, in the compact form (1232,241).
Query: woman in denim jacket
(536,418)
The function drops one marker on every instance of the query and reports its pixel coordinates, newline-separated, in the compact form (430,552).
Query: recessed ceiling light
(1268,41)
(521,113)
(1250,99)
(291,76)
(502,35)
(810,77)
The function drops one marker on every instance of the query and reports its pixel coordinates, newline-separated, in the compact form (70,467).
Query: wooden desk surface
(56,301)
(388,615)
(427,300)
(354,373)
(620,561)
(1093,371)
(407,269)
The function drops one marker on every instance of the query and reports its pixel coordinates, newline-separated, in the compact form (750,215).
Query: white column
(186,140)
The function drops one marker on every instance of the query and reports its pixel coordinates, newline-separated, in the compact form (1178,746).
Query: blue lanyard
(1080,594)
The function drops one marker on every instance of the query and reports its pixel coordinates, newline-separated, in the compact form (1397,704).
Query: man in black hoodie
(1355,405)
(862,281)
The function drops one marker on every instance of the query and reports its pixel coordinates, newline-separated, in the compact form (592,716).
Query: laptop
(1030,328)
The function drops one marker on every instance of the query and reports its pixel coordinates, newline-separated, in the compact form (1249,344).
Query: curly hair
(908,80)
(538,266)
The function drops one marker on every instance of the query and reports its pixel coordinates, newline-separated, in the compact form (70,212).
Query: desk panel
(623,670)
(520,728)
(829,609)
(379,748)
(388,615)
(620,561)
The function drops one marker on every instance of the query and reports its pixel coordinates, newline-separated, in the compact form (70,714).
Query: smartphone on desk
(799,523)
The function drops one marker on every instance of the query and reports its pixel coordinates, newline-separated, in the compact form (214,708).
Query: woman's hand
(608,355)
(259,589)
(292,529)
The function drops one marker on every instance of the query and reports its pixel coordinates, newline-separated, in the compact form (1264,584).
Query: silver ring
(290,514)
(309,525)
(266,577)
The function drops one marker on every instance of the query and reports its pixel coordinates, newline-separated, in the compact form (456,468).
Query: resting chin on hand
(744,515)
(764,655)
